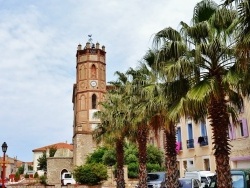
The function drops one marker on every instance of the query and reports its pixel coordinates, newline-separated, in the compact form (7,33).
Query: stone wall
(55,165)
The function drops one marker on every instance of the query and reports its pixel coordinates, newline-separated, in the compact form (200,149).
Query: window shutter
(230,131)
(232,134)
(245,128)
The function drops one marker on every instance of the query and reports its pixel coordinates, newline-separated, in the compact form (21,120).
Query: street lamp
(4,149)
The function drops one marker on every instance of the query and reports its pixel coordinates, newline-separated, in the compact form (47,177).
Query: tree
(243,38)
(209,65)
(21,169)
(140,113)
(114,125)
(42,162)
(52,151)
(97,155)
(165,93)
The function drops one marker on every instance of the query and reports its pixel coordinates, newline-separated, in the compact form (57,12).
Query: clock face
(93,83)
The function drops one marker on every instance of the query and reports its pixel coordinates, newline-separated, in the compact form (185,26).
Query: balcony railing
(190,143)
(203,140)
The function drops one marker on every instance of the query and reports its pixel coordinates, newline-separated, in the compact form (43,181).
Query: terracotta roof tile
(57,146)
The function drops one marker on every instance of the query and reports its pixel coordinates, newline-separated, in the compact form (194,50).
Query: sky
(38,42)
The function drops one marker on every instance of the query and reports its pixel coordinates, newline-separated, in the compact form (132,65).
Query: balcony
(190,143)
(203,140)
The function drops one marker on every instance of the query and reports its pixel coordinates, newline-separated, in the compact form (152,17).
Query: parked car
(67,179)
(240,179)
(156,180)
(189,183)
(203,176)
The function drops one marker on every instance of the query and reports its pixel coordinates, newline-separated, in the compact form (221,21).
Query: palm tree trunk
(170,157)
(142,145)
(219,122)
(120,183)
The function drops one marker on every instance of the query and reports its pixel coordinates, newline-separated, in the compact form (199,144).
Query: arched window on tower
(93,71)
(94,101)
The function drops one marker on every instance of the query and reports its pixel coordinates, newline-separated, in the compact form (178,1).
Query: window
(203,139)
(238,180)
(93,71)
(238,131)
(190,141)
(178,139)
(190,131)
(242,128)
(203,129)
(93,101)
(206,164)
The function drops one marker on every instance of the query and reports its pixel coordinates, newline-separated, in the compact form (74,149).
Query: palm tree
(112,129)
(159,104)
(209,65)
(243,8)
(141,113)
(155,100)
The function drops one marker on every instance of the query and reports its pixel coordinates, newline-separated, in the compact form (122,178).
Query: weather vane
(90,39)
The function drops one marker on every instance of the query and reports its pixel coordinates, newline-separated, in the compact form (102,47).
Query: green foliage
(154,155)
(42,162)
(26,175)
(21,170)
(153,167)
(36,175)
(109,158)
(133,170)
(91,174)
(96,156)
(30,167)
(154,159)
(17,176)
(131,153)
(52,151)
(43,180)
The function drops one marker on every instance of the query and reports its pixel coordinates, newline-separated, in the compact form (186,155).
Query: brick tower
(88,91)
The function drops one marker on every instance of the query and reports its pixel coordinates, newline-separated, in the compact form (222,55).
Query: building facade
(194,143)
(11,166)
(240,140)
(194,146)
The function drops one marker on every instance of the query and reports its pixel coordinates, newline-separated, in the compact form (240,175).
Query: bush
(26,175)
(91,174)
(133,170)
(154,167)
(109,157)
(43,180)
(154,155)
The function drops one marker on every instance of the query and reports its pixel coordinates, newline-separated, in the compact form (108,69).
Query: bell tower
(88,91)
